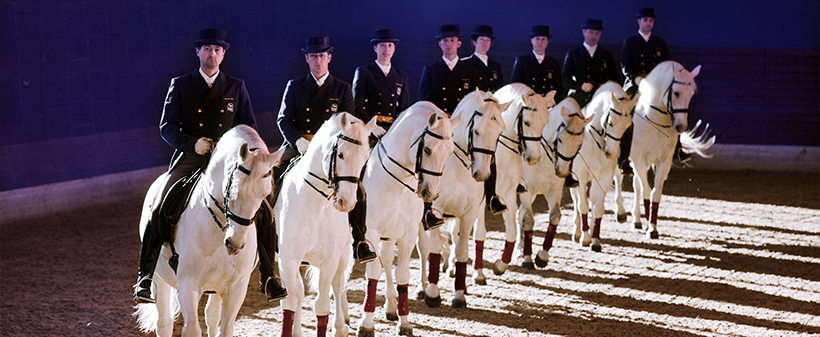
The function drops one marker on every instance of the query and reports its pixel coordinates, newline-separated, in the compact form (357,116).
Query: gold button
(198,110)
(308,131)
(307,120)
(443,88)
(222,111)
(459,89)
(220,125)
(327,110)
(380,103)
(392,95)
(533,78)
(307,109)
(445,109)
(380,94)
(480,78)
(391,104)
(445,98)
(200,124)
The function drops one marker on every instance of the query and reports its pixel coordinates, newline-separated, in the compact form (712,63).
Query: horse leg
(500,266)
(479,236)
(291,305)
(462,253)
(321,305)
(583,207)
(661,172)
(166,300)
(432,296)
(340,327)
(576,212)
(212,309)
(188,304)
(231,302)
(402,271)
(619,197)
(390,306)
(526,224)
(423,248)
(554,200)
(640,188)
(598,195)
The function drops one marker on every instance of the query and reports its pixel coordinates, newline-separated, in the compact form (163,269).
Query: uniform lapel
(322,91)
(451,75)
(214,91)
(379,75)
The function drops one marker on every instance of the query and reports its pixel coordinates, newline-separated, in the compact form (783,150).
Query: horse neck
(212,178)
(461,131)
(510,117)
(656,95)
(398,142)
(552,126)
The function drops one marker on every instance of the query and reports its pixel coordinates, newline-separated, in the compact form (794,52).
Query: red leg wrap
(478,262)
(646,203)
(584,223)
(527,243)
(321,326)
(461,275)
(506,256)
(654,218)
(550,236)
(433,266)
(370,296)
(404,304)
(287,323)
(596,230)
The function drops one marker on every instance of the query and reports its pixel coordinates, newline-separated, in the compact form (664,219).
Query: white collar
(590,49)
(209,79)
(450,64)
(385,69)
(645,36)
(539,58)
(483,58)
(320,80)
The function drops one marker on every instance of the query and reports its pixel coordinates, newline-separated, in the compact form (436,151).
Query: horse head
(432,151)
(616,116)
(247,180)
(480,131)
(564,134)
(671,87)
(344,156)
(525,118)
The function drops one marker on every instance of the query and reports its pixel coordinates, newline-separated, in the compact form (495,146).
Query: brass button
(445,109)
(480,78)
(222,111)
(307,109)
(198,110)
(380,94)
(391,104)
(380,103)
(445,99)
(458,100)
(392,95)
(307,120)
(443,88)
(308,131)
(200,124)
(459,89)
(327,110)
(220,125)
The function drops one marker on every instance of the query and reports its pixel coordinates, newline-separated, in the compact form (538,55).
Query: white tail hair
(691,142)
(147,314)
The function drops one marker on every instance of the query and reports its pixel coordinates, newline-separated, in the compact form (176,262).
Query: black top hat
(384,35)
(449,31)
(482,30)
(212,36)
(318,44)
(593,24)
(540,30)
(646,12)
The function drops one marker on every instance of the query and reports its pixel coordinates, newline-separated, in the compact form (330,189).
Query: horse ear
(432,120)
(588,120)
(636,98)
(564,113)
(695,71)
(504,106)
(371,124)
(244,151)
(478,100)
(456,120)
(344,121)
(614,99)
(550,96)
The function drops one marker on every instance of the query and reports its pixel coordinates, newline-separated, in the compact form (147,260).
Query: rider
(640,54)
(490,79)
(307,103)
(199,108)
(586,68)
(444,83)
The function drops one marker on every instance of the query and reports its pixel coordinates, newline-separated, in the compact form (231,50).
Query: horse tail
(311,277)
(695,143)
(147,314)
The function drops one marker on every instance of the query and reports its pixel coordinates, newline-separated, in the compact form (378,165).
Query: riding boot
(431,220)
(681,156)
(626,148)
(494,203)
(357,219)
(149,254)
(569,181)
(266,245)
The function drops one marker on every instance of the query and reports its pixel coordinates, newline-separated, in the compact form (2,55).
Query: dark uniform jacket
(445,88)
(306,106)
(639,57)
(580,68)
(376,94)
(542,78)
(193,110)
(489,76)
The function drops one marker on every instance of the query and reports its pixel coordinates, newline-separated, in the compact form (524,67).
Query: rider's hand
(586,87)
(302,144)
(378,131)
(203,146)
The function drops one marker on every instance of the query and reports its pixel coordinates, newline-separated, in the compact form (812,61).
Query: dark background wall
(83,81)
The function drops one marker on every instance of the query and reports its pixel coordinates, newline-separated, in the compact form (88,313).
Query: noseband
(554,148)
(225,210)
(470,148)
(418,170)
(333,178)
(522,139)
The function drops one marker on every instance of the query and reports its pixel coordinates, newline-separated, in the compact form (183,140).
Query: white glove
(302,144)
(378,131)
(203,146)
(638,80)
(586,87)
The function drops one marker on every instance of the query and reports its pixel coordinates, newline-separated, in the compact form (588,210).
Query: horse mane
(610,86)
(332,126)
(467,104)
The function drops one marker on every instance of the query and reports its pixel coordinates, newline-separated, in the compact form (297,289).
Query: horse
(661,114)
(216,245)
(561,140)
(611,110)
(524,119)
(404,168)
(312,223)
(467,167)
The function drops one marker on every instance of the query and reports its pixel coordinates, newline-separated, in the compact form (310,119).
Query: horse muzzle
(233,248)
(427,194)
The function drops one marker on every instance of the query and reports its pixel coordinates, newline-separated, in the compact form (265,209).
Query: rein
(225,210)
(522,139)
(333,178)
(418,170)
(470,148)
(604,132)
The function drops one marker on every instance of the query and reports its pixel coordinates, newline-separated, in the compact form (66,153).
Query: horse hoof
(499,267)
(652,234)
(527,265)
(392,317)
(432,302)
(576,237)
(638,226)
(595,248)
(459,303)
(420,295)
(406,331)
(481,281)
(621,218)
(366,332)
(541,263)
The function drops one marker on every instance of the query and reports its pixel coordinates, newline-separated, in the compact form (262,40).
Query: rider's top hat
(646,12)
(482,30)
(212,36)
(449,31)
(593,24)
(540,30)
(318,44)
(384,35)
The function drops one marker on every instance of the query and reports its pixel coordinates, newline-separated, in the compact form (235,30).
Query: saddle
(170,210)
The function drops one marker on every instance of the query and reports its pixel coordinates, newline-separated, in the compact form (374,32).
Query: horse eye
(527,124)
(476,132)
(341,156)
(677,94)
(427,150)
(268,174)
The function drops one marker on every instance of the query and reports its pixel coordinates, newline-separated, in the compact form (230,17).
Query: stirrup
(142,294)
(279,293)
(436,220)
(495,205)
(367,257)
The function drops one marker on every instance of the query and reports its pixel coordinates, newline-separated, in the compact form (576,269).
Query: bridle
(471,149)
(604,132)
(333,178)
(554,146)
(418,170)
(670,111)
(225,208)
(522,139)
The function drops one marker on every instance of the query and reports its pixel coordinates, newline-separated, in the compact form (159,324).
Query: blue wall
(83,81)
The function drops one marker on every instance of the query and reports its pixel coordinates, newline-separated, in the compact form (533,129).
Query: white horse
(404,168)
(216,245)
(475,139)
(312,223)
(524,119)
(660,116)
(561,140)
(611,110)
